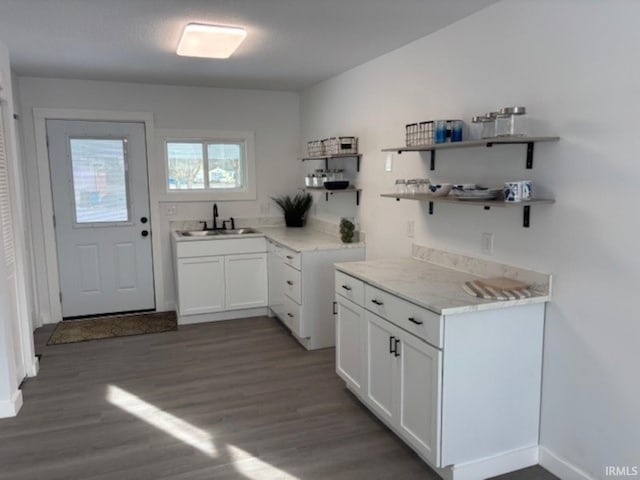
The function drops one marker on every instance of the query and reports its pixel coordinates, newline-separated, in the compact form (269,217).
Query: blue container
(440,132)
(456,131)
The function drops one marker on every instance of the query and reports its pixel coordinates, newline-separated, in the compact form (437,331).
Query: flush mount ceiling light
(210,41)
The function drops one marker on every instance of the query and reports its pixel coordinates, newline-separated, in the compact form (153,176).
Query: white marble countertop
(297,239)
(431,286)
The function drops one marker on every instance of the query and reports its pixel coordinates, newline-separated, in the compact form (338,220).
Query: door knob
(145,233)
(144,220)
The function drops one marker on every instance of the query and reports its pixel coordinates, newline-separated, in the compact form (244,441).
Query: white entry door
(101,206)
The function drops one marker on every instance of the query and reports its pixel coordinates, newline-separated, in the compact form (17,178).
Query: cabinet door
(350,344)
(419,382)
(246,280)
(200,285)
(276,280)
(381,365)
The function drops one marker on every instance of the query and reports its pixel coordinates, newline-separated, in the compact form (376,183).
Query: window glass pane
(99,180)
(185,165)
(226,165)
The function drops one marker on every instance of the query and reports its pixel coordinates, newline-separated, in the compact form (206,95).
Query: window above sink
(205,165)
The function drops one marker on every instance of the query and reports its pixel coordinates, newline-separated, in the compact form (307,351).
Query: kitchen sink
(215,233)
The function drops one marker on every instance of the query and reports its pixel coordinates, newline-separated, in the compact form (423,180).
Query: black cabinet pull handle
(346,287)
(289,257)
(289,282)
(391,344)
(144,220)
(395,351)
(335,308)
(417,322)
(144,233)
(377,302)
(288,314)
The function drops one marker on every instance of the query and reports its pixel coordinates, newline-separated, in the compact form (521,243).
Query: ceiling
(291,44)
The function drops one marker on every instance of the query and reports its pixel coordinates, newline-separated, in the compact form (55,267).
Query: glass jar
(503,124)
(516,120)
(475,129)
(489,125)
(412,186)
(338,174)
(423,185)
(401,186)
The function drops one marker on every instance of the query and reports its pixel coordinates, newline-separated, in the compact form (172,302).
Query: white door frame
(40,116)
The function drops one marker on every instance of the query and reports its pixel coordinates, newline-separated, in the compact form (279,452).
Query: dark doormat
(72,331)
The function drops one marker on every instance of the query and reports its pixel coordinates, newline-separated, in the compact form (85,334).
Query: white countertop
(431,286)
(297,239)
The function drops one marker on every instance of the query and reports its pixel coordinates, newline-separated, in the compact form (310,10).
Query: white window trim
(248,192)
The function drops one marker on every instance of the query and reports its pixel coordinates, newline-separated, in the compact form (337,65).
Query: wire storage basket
(340,145)
(315,148)
(418,134)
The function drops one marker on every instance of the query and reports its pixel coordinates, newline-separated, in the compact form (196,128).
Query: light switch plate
(410,228)
(486,243)
(171,210)
(388,164)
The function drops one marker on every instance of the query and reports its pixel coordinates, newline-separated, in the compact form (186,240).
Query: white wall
(272,116)
(573,64)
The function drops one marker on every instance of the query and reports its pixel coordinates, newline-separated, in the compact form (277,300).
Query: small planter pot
(294,220)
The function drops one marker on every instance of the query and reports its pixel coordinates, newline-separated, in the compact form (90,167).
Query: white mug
(512,192)
(526,190)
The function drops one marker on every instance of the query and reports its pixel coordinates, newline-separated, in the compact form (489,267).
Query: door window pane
(99,180)
(185,163)
(225,165)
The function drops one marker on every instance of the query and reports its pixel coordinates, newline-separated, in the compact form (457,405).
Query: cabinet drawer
(412,318)
(292,317)
(292,284)
(349,287)
(291,258)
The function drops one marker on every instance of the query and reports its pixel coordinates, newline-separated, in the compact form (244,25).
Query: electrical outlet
(264,208)
(410,228)
(486,243)
(171,210)
(388,165)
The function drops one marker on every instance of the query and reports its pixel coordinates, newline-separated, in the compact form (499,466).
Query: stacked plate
(475,193)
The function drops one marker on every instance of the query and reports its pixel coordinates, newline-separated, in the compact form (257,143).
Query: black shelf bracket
(487,207)
(326,164)
(526,216)
(433,160)
(430,208)
(357,198)
(326,196)
(530,155)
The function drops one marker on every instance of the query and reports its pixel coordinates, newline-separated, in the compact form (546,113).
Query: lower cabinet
(403,378)
(301,291)
(214,276)
(350,344)
(246,280)
(458,396)
(200,285)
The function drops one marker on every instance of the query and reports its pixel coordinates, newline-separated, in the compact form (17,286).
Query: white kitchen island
(458,378)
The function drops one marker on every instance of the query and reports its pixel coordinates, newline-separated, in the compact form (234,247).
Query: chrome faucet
(215,216)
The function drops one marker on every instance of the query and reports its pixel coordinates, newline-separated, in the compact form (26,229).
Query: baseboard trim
(561,467)
(219,316)
(34,367)
(10,408)
(500,464)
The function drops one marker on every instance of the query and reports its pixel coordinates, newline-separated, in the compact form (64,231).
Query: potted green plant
(295,209)
(347,230)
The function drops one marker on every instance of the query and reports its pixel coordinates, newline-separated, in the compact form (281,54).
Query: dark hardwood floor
(228,400)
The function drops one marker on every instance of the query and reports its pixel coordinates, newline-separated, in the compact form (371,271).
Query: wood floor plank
(228,400)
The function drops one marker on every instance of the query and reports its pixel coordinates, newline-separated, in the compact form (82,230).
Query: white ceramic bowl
(439,189)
